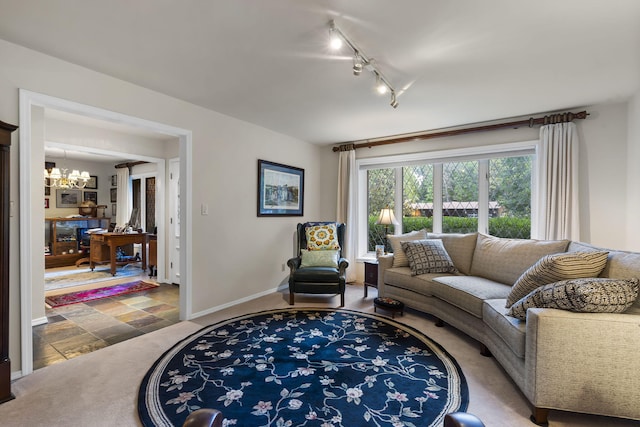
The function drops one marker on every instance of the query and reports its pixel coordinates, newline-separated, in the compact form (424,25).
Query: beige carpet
(100,388)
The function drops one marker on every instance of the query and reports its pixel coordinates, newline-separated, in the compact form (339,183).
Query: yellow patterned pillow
(322,237)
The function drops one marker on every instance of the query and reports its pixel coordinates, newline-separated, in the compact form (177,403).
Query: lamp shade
(386,217)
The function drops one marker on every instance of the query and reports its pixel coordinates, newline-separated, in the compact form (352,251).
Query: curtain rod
(546,120)
(129,164)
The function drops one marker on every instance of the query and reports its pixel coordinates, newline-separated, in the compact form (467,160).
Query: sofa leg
(485,351)
(341,300)
(290,298)
(439,323)
(540,416)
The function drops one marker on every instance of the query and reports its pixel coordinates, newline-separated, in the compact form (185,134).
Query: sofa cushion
(460,248)
(428,256)
(504,260)
(327,258)
(511,330)
(400,277)
(468,292)
(399,257)
(587,295)
(557,267)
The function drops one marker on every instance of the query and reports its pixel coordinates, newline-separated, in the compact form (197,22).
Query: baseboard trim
(39,321)
(236,302)
(15,375)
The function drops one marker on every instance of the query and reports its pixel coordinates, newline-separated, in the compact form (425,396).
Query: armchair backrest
(302,235)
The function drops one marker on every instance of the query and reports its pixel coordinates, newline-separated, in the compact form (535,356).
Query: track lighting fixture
(361,61)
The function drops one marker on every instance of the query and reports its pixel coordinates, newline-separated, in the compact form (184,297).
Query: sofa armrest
(384,262)
(583,362)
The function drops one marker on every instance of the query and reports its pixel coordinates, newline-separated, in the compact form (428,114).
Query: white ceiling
(267,62)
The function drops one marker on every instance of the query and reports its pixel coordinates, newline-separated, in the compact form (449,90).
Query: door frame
(32,209)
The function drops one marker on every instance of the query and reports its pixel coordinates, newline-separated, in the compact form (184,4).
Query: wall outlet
(283,266)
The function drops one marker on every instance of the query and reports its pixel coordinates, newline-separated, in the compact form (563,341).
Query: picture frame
(280,189)
(92,184)
(46,203)
(114,195)
(114,180)
(113,210)
(48,166)
(90,196)
(68,198)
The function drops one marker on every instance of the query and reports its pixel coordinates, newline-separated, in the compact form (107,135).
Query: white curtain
(123,208)
(558,202)
(347,202)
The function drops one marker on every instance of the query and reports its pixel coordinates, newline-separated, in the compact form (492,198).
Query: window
(449,192)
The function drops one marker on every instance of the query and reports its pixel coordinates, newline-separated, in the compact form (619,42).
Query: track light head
(335,41)
(357,65)
(394,101)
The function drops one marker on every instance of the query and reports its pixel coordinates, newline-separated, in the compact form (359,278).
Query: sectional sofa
(561,359)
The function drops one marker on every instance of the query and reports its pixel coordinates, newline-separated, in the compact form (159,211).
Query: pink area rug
(94,294)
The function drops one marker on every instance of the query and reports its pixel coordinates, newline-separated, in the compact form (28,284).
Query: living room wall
(633,174)
(235,254)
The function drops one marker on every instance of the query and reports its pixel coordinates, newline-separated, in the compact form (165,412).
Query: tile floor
(77,329)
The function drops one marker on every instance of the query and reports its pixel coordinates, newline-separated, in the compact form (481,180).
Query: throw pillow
(557,267)
(328,258)
(399,257)
(586,295)
(428,256)
(322,237)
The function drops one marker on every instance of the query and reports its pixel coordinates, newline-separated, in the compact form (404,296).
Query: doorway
(32,106)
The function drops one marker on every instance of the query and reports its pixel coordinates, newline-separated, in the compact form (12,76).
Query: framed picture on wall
(48,166)
(114,195)
(92,184)
(68,198)
(280,189)
(113,210)
(46,203)
(114,180)
(91,196)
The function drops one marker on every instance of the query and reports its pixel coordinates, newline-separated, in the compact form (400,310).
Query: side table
(370,275)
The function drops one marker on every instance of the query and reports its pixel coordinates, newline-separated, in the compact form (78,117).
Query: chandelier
(59,178)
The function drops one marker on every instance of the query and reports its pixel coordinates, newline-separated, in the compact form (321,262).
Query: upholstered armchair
(319,267)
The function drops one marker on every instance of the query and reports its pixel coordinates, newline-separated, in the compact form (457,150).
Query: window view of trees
(508,210)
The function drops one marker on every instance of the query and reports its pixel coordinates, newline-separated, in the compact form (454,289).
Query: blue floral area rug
(308,367)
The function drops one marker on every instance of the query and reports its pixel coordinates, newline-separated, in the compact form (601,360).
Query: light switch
(204,209)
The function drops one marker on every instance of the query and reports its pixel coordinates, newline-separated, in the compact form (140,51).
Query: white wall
(633,174)
(235,253)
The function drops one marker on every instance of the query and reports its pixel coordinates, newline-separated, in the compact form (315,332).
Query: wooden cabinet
(63,239)
(370,275)
(5,363)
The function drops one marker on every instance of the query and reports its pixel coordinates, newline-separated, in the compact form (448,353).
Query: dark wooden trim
(129,164)
(5,363)
(530,122)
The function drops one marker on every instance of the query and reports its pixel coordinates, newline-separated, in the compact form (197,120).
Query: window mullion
(398,202)
(437,197)
(483,196)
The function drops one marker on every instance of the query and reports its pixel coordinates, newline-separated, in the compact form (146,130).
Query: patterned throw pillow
(557,267)
(428,256)
(328,258)
(399,257)
(586,295)
(322,237)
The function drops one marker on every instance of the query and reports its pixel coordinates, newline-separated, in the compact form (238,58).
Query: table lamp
(386,218)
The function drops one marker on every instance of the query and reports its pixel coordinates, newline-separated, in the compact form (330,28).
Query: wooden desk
(103,248)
